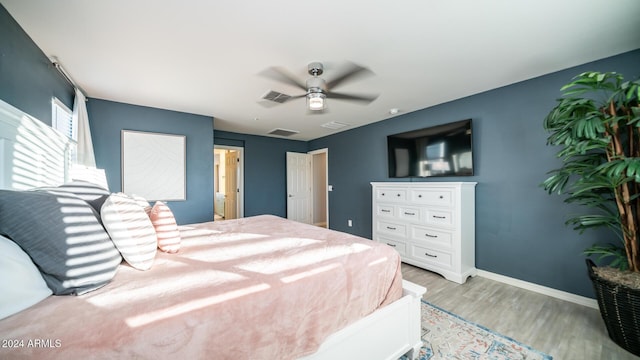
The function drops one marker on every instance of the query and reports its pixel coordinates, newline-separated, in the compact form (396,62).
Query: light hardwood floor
(562,329)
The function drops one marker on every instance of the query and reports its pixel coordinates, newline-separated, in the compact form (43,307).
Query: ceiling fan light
(315,101)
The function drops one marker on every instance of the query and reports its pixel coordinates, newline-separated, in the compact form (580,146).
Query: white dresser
(431,224)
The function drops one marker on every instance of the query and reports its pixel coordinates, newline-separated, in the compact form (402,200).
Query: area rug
(447,336)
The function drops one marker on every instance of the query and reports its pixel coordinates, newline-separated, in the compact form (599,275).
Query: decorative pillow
(142,202)
(61,234)
(130,230)
(93,194)
(23,286)
(166,227)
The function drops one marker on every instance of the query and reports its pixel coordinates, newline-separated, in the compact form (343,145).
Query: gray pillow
(61,234)
(93,194)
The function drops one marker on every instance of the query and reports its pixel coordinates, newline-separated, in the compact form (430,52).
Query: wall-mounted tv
(442,150)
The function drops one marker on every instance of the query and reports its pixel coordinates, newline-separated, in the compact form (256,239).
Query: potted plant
(596,124)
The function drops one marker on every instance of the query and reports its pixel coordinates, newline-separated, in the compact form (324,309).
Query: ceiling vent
(276,97)
(282,132)
(334,125)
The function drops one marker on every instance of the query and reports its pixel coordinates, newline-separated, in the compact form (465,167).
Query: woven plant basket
(620,310)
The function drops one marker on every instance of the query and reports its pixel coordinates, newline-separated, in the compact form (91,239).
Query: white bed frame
(32,154)
(386,334)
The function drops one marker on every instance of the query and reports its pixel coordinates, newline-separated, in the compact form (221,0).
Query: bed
(261,287)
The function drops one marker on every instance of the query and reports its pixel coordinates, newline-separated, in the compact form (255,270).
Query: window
(63,121)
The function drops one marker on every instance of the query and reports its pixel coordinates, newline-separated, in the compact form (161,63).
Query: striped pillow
(63,237)
(166,227)
(130,230)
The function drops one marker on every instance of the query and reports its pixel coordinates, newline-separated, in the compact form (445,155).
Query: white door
(299,193)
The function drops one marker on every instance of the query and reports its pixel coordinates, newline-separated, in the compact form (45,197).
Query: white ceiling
(206,57)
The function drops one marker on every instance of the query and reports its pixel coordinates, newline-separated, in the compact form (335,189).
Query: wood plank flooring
(562,329)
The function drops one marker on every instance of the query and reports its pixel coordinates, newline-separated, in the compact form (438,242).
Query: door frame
(299,191)
(314,181)
(240,197)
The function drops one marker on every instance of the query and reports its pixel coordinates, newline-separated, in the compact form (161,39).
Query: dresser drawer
(385,211)
(438,197)
(423,234)
(440,258)
(400,247)
(440,217)
(409,213)
(390,228)
(391,194)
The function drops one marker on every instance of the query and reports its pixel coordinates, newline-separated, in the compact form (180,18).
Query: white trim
(558,294)
(240,197)
(56,101)
(324,151)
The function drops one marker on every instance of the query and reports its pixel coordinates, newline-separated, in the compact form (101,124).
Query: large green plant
(597,125)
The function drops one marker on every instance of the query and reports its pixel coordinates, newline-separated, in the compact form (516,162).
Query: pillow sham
(23,286)
(93,194)
(61,234)
(142,202)
(130,229)
(166,227)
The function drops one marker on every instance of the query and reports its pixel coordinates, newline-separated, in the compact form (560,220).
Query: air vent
(276,96)
(282,132)
(334,125)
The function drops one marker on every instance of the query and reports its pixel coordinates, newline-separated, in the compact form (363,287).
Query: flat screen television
(442,150)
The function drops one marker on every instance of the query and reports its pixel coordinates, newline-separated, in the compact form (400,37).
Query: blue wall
(520,229)
(265,173)
(108,118)
(28,80)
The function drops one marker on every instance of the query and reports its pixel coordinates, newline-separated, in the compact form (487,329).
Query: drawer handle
(382,194)
(429,255)
(431,236)
(409,213)
(385,210)
(420,195)
(441,197)
(439,217)
(391,228)
(392,245)
(398,195)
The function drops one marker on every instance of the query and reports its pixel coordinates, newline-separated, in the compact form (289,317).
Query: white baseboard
(558,294)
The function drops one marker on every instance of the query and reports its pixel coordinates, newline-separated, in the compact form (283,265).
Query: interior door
(231,185)
(299,195)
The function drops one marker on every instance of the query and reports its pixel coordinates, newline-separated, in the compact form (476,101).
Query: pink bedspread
(255,288)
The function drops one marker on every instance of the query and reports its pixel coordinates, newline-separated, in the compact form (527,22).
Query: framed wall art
(154,165)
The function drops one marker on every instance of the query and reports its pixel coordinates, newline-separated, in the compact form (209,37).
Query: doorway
(307,187)
(228,182)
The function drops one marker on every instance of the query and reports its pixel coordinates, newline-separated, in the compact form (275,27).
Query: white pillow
(142,202)
(23,286)
(130,230)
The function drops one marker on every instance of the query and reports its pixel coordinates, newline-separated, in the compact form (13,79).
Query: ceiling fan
(317,89)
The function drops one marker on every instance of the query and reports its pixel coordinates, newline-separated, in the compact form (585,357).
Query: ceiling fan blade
(350,72)
(340,96)
(283,76)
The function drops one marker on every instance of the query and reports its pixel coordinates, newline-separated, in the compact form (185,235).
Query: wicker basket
(620,310)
